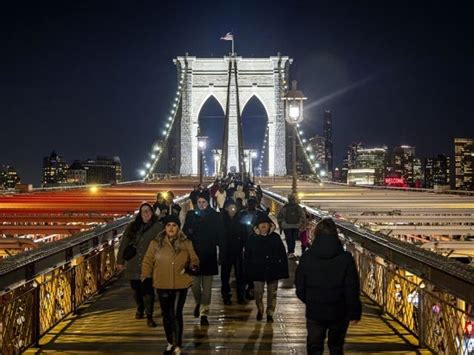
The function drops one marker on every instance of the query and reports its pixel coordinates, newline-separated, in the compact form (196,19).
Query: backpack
(292,215)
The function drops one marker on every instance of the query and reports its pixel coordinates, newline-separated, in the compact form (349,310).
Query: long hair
(326,226)
(138,222)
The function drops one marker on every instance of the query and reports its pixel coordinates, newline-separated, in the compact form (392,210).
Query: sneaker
(139,315)
(177,350)
(259,316)
(291,255)
(204,321)
(269,319)
(196,311)
(151,323)
(169,347)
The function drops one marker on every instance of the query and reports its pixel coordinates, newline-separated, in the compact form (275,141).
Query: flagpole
(232,45)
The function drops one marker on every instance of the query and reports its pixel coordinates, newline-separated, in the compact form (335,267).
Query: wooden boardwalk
(107,325)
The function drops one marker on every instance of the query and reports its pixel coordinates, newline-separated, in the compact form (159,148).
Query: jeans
(144,297)
(226,269)
(291,234)
(172,304)
(317,334)
(202,287)
(272,288)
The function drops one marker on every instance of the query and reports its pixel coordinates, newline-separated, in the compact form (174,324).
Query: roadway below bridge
(413,216)
(52,215)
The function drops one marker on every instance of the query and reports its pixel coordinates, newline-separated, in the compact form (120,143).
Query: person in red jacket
(327,281)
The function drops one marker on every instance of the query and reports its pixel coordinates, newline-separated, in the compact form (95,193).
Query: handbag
(130,251)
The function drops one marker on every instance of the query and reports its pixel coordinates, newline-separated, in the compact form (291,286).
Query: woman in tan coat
(169,260)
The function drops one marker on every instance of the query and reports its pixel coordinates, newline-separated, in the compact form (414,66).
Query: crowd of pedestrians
(229,227)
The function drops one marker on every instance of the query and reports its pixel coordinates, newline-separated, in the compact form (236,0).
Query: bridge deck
(107,325)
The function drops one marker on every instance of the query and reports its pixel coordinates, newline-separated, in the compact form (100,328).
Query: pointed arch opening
(211,120)
(254,126)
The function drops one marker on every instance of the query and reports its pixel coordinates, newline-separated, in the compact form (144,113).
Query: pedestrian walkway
(108,325)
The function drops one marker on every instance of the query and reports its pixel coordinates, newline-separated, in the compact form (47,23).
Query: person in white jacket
(221,196)
(240,194)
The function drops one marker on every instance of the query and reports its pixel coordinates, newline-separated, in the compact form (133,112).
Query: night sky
(97,77)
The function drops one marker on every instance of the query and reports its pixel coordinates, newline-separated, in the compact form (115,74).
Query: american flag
(228,37)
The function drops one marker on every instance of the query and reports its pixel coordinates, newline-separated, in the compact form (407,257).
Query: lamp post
(252,155)
(202,142)
(294,115)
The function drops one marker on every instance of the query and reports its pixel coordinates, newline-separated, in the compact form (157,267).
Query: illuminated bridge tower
(233,81)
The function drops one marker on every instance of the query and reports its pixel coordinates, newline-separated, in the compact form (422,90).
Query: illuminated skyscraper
(436,171)
(8,177)
(54,170)
(403,163)
(327,132)
(464,163)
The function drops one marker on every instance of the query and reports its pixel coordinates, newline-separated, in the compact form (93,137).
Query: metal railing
(436,312)
(41,287)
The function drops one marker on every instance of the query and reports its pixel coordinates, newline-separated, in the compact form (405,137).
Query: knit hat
(204,196)
(172,218)
(263,218)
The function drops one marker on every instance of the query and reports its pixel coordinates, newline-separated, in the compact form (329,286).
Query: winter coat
(234,239)
(265,258)
(205,230)
(220,198)
(141,239)
(239,194)
(327,281)
(168,264)
(282,218)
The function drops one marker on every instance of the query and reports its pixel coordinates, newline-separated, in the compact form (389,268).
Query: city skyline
(94,78)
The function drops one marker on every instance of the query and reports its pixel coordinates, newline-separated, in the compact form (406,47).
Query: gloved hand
(147,283)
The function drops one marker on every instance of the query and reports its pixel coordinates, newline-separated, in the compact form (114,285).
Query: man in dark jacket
(247,218)
(204,227)
(328,283)
(231,253)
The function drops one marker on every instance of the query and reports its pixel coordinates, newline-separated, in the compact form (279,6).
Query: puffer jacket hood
(326,246)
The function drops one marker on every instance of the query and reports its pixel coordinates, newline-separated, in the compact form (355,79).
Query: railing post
(73,290)
(385,289)
(36,316)
(421,319)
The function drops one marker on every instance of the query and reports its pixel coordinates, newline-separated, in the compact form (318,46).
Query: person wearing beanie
(204,228)
(168,262)
(265,263)
(137,237)
(327,282)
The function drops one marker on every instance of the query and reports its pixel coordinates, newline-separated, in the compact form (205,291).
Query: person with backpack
(291,219)
(327,282)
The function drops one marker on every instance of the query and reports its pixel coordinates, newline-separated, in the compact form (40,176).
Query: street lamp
(294,115)
(253,155)
(202,142)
